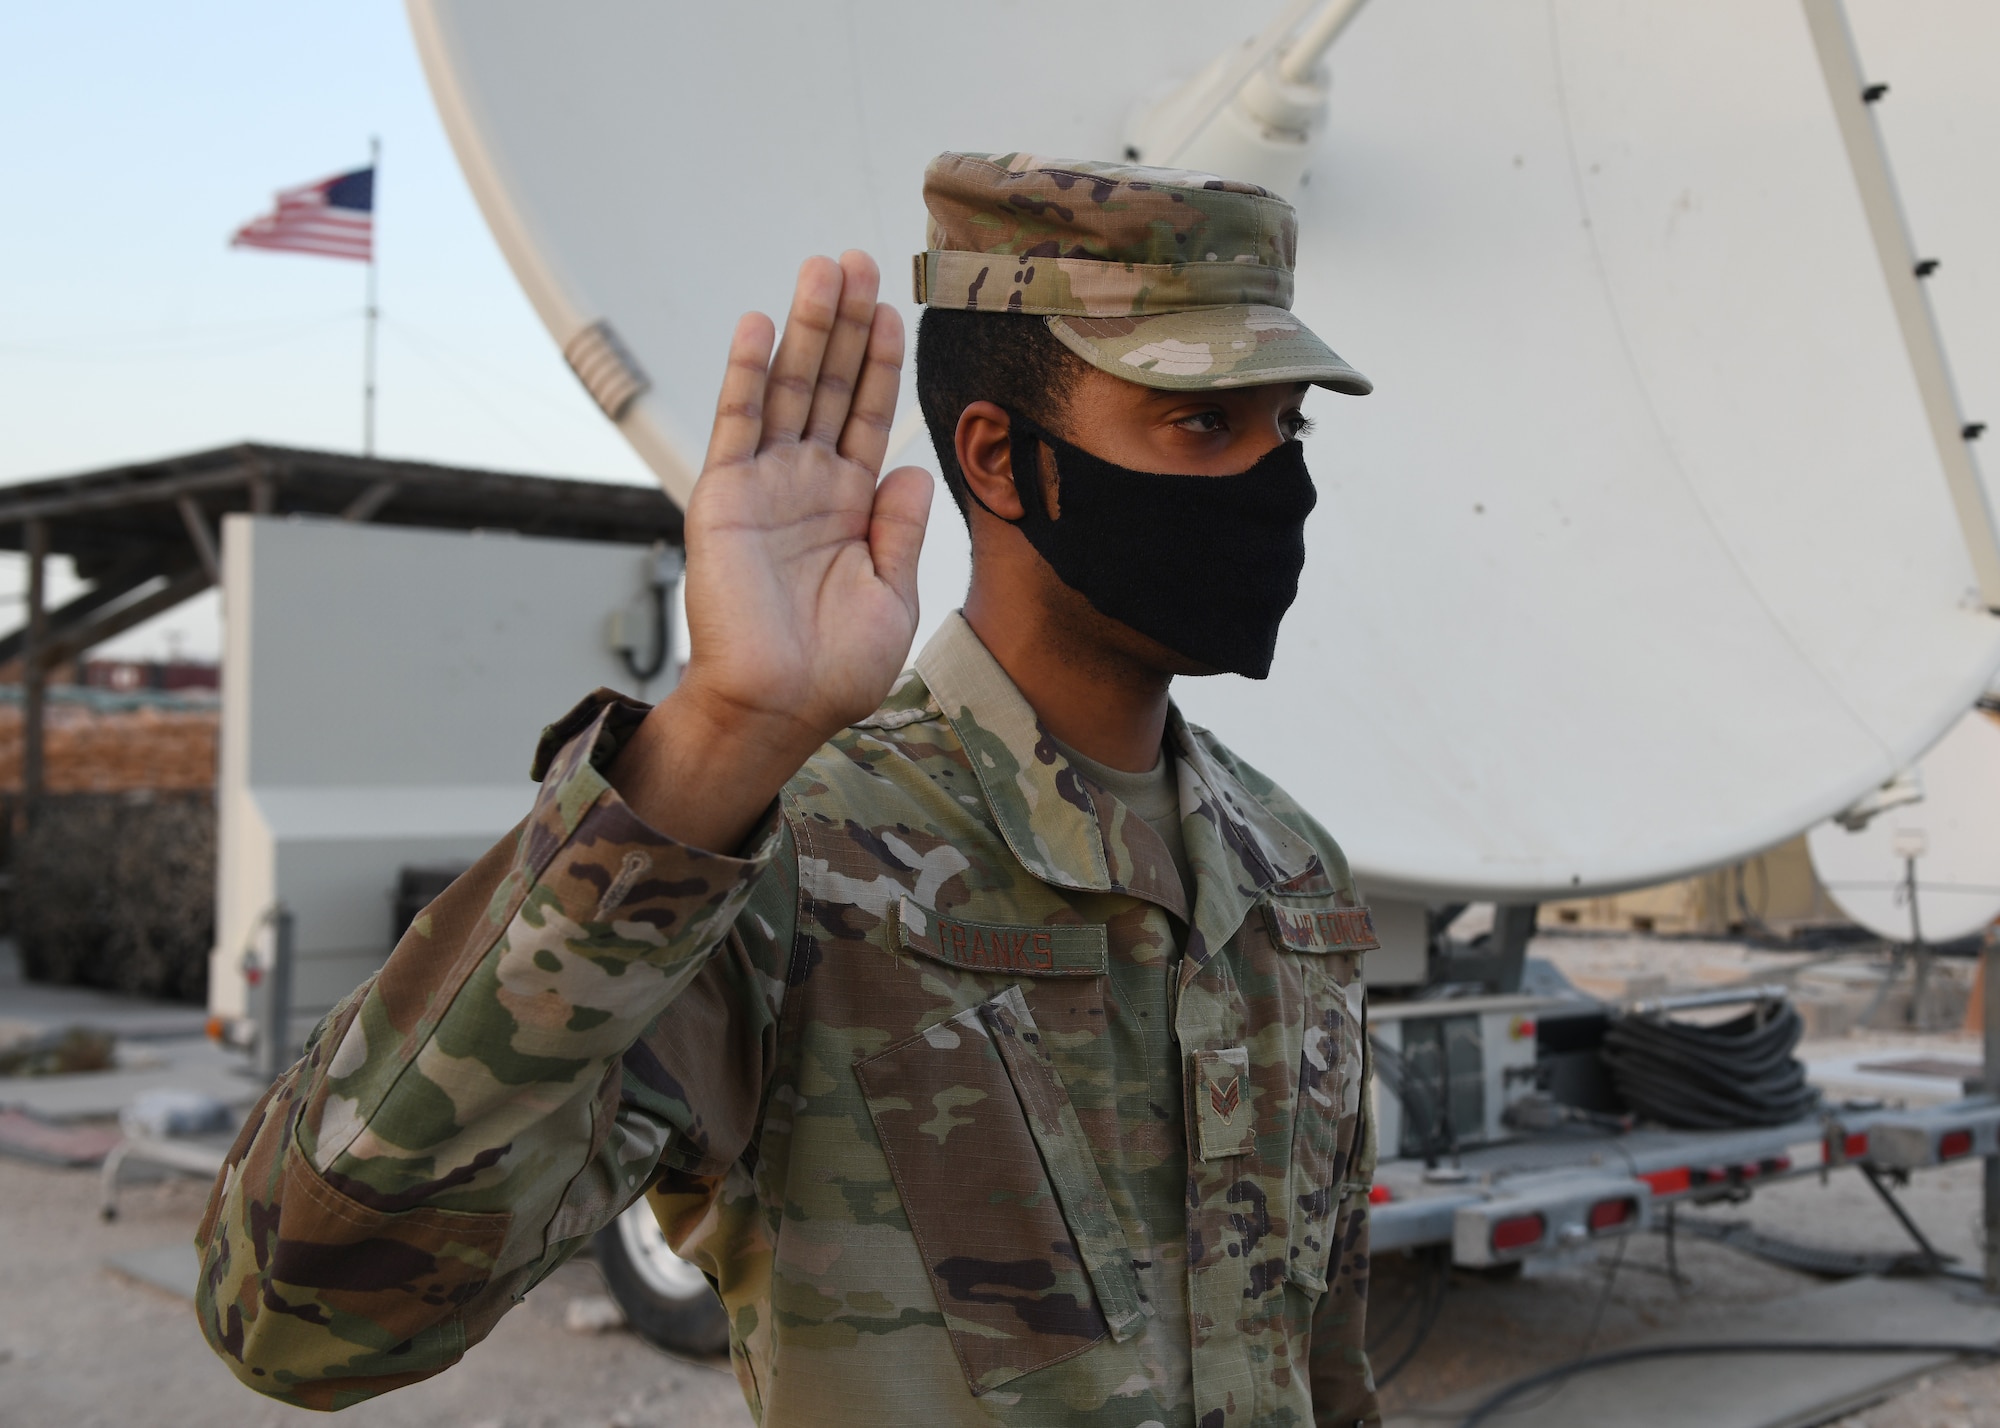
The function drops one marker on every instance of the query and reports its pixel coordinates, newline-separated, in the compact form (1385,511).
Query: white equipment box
(383,688)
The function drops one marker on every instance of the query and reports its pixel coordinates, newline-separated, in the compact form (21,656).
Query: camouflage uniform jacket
(924,1085)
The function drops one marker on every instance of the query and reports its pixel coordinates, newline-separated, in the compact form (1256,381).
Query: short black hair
(1008,358)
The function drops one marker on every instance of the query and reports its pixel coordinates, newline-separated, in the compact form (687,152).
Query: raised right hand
(802,568)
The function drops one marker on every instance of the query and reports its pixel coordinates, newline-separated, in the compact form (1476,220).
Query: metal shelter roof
(146,534)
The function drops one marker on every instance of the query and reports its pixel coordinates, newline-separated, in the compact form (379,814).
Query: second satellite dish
(1949,840)
(1639,559)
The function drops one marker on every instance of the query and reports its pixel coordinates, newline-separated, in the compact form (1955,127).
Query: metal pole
(374,311)
(1920,973)
(1315,39)
(1989,957)
(274,1025)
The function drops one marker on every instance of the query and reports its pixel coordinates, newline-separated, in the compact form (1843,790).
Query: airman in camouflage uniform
(972,1107)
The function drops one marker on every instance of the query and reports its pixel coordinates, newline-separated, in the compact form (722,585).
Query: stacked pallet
(88,750)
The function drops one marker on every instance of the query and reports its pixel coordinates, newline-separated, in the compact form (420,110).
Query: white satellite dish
(1952,834)
(1640,558)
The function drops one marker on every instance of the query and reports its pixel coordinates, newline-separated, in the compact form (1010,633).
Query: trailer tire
(667,1301)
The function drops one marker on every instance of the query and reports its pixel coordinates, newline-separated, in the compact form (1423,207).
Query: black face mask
(1206,565)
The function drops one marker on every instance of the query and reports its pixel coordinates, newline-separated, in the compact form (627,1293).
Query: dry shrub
(117,890)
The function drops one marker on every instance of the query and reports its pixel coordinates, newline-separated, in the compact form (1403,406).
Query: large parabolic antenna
(1643,554)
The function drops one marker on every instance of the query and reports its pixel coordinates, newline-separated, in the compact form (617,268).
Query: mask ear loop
(1024,440)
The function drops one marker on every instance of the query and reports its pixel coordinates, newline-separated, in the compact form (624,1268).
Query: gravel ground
(81,1346)
(1492,1331)
(1963,1398)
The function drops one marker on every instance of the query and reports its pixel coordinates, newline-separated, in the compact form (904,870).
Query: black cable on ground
(1740,1072)
(1432,1300)
(1497,1403)
(1596,1323)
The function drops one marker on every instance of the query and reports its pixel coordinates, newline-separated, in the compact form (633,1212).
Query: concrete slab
(31,1138)
(30,1007)
(194,1064)
(173,1268)
(1759,1390)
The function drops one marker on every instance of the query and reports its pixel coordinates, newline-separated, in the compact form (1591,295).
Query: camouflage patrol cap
(1163,277)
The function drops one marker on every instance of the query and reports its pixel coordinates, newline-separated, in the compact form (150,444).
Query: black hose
(1737,1073)
(1431,1300)
(662,641)
(1496,1402)
(1419,1109)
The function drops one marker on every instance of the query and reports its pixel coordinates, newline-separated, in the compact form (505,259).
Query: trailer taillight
(1954,1143)
(1669,1182)
(1610,1214)
(1519,1232)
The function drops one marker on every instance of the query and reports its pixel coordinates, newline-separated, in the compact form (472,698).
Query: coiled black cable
(1740,1072)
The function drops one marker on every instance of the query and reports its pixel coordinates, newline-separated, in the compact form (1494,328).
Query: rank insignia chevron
(1225,1098)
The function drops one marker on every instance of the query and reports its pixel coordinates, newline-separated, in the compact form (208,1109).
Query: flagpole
(374,312)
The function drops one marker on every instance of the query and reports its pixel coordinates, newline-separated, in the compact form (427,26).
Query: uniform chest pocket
(1004,1200)
(1327,943)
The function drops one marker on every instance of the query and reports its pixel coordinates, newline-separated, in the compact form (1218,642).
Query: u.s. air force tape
(1322,929)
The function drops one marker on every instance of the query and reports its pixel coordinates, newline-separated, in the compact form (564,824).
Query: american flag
(334,218)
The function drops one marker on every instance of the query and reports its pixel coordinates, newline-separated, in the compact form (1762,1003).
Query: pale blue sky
(139,136)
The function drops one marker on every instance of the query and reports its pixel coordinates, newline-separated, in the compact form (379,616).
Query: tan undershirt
(1154,796)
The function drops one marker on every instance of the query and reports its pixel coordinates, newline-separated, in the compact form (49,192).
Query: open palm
(802,569)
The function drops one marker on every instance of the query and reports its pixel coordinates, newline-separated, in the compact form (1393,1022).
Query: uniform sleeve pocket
(380,1291)
(1013,1221)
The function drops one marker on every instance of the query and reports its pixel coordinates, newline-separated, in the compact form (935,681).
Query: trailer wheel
(667,1301)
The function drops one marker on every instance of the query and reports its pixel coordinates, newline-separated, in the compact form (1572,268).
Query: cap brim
(1206,348)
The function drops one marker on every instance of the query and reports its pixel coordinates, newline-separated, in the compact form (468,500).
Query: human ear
(984,448)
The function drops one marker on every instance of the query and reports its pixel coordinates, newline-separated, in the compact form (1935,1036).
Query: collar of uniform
(1237,847)
(1262,843)
(1040,800)
(1037,797)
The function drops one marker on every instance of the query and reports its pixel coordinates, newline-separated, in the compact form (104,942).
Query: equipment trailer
(1504,1137)
(1508,1202)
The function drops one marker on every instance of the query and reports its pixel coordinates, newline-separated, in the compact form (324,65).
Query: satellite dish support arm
(1853,102)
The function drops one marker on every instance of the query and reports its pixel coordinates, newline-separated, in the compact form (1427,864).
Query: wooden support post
(34,684)
(34,674)
(201,537)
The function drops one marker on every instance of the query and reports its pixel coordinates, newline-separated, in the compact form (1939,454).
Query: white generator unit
(383,688)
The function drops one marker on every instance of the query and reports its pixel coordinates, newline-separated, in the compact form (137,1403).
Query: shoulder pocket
(1028,1264)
